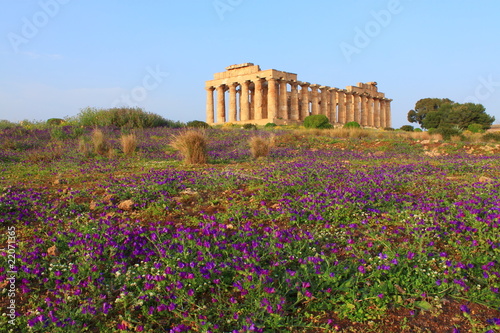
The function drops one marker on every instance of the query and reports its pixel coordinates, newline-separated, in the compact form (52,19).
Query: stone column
(244,103)
(376,112)
(232,102)
(324,101)
(305,100)
(388,119)
(315,99)
(382,114)
(332,109)
(258,99)
(357,108)
(294,112)
(221,104)
(349,105)
(342,107)
(371,112)
(363,111)
(272,99)
(210,105)
(283,113)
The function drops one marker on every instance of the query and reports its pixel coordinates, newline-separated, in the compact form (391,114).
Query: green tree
(463,115)
(424,106)
(440,113)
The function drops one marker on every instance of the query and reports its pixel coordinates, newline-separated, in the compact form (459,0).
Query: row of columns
(270,99)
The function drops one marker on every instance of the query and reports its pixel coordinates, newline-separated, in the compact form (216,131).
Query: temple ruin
(247,94)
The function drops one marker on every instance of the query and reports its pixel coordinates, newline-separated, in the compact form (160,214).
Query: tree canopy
(444,113)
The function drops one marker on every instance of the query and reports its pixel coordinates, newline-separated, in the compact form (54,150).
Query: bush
(4,124)
(390,129)
(317,121)
(192,145)
(55,121)
(417,130)
(476,128)
(407,128)
(123,117)
(250,126)
(352,124)
(197,124)
(270,125)
(493,136)
(447,132)
(260,147)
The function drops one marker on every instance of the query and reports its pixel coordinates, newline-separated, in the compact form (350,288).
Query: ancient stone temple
(246,94)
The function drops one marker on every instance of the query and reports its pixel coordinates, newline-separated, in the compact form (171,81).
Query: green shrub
(407,128)
(390,129)
(4,124)
(417,130)
(448,131)
(123,117)
(270,125)
(55,121)
(317,121)
(197,124)
(476,128)
(352,124)
(493,136)
(250,126)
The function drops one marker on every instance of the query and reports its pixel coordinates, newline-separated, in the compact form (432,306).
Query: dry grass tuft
(100,142)
(129,144)
(84,147)
(192,145)
(260,147)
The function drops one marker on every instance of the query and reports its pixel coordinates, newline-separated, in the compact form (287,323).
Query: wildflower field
(363,233)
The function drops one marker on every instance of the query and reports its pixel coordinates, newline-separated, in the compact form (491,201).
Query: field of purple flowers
(324,235)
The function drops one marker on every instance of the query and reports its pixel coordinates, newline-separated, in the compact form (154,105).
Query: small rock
(484,179)
(53,251)
(189,191)
(59,181)
(126,205)
(93,205)
(425,142)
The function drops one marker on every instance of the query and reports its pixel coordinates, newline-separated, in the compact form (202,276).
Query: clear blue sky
(59,56)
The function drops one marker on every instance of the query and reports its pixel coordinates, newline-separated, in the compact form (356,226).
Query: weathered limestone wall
(246,94)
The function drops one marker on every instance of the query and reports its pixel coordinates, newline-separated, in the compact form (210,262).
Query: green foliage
(417,130)
(448,131)
(250,126)
(388,129)
(493,136)
(407,128)
(462,115)
(197,124)
(123,117)
(437,113)
(475,128)
(424,106)
(55,121)
(352,124)
(270,125)
(7,124)
(317,121)
(62,133)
